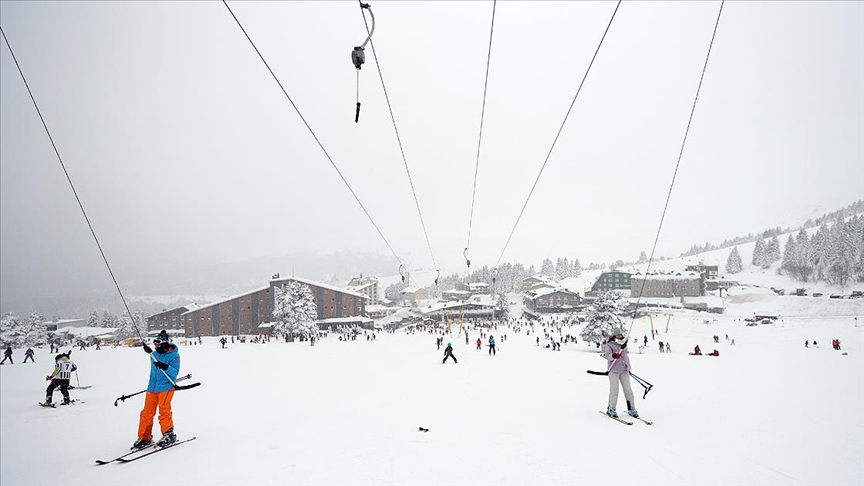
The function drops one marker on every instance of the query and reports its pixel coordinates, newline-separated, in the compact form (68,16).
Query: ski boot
(612,413)
(633,413)
(48,400)
(142,443)
(167,439)
(66,401)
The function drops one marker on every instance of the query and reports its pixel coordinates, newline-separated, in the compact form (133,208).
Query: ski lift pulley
(439,276)
(401,273)
(467,261)
(358,55)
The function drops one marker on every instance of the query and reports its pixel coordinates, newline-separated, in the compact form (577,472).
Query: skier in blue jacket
(492,351)
(164,364)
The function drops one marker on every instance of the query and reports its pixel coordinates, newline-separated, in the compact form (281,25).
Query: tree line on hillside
(851,210)
(834,254)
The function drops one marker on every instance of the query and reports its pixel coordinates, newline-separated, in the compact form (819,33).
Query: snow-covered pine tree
(819,249)
(10,330)
(35,332)
(126,327)
(789,254)
(548,268)
(803,268)
(502,305)
(575,268)
(734,263)
(295,311)
(643,258)
(603,316)
(759,253)
(772,251)
(108,320)
(93,319)
(843,254)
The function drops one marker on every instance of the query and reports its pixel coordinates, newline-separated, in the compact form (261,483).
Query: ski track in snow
(767,412)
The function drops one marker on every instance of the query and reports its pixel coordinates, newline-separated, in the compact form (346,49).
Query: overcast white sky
(182,147)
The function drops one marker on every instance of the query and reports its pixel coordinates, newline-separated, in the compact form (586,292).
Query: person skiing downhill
(618,358)
(63,368)
(479,343)
(7,355)
(29,355)
(448,353)
(164,364)
(492,351)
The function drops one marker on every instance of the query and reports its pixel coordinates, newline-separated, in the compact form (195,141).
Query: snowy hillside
(750,274)
(768,411)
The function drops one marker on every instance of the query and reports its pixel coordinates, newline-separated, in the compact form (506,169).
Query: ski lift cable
(398,138)
(677,165)
(482,116)
(560,129)
(275,78)
(81,206)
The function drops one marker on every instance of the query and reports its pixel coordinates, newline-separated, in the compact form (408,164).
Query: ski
(645,421)
(46,405)
(154,451)
(617,419)
(101,462)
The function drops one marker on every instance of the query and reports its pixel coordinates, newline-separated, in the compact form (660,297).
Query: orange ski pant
(151,401)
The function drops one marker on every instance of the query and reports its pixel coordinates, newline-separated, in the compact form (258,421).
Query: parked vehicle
(836,296)
(817,294)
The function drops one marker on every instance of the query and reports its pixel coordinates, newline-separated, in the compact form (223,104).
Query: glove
(147,349)
(616,354)
(160,365)
(48,378)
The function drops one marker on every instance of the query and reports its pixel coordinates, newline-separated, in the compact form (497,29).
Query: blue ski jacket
(158,382)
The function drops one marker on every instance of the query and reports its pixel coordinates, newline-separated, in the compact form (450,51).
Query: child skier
(63,368)
(448,353)
(29,355)
(618,358)
(164,366)
(479,343)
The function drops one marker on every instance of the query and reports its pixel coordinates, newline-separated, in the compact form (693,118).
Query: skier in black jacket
(448,353)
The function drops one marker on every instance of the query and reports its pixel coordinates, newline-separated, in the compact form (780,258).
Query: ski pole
(124,397)
(76,379)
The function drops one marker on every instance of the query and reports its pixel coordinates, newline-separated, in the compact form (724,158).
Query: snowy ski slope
(767,412)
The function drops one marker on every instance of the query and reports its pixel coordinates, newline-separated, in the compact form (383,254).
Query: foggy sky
(183,149)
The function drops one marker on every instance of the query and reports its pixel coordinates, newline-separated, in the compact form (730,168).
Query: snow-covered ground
(767,411)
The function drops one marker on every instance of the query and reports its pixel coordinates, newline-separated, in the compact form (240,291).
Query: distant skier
(538,340)
(662,348)
(29,355)
(668,347)
(696,351)
(438,342)
(479,343)
(492,351)
(63,368)
(807,344)
(164,366)
(714,353)
(646,340)
(224,341)
(618,357)
(7,355)
(448,353)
